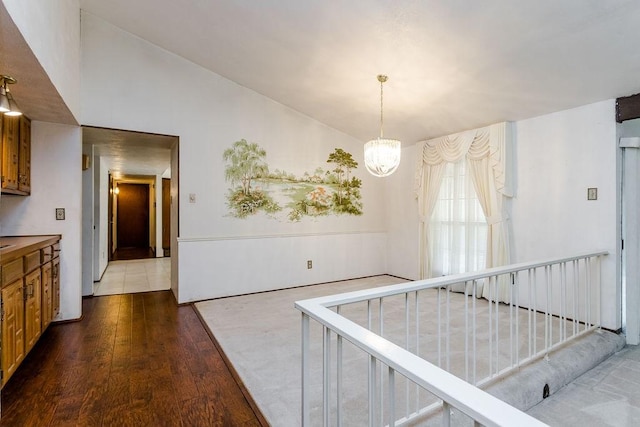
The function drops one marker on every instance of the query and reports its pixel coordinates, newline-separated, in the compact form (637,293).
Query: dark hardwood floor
(134,360)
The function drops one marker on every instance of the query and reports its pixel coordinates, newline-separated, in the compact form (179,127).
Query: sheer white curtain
(457,227)
(487,154)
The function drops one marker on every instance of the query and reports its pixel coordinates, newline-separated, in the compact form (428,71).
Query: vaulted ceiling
(452,65)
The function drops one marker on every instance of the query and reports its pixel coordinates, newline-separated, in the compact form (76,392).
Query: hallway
(140,275)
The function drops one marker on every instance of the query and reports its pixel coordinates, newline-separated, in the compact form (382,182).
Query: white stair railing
(426,347)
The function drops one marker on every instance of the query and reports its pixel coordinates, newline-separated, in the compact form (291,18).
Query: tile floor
(140,275)
(607,395)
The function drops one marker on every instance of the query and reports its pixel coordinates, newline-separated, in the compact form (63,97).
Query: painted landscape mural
(285,196)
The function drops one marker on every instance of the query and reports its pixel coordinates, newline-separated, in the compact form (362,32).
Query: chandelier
(382,156)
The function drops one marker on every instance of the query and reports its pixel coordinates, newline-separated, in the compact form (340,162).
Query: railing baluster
(305,371)
(488,283)
(535,311)
(473,325)
(392,397)
(466,333)
(406,340)
(530,310)
(587,266)
(546,309)
(372,390)
(448,328)
(497,346)
(599,287)
(339,375)
(439,331)
(417,348)
(326,381)
(516,284)
(576,298)
(446,414)
(381,395)
(563,301)
(511,285)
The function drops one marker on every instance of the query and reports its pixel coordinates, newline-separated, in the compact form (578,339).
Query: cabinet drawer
(31,261)
(56,249)
(12,271)
(47,254)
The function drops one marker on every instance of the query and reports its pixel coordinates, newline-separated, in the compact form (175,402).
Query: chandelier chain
(381,112)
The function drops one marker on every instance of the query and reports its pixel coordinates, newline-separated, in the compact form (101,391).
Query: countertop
(12,247)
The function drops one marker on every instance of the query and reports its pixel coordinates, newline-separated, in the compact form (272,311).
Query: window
(458,229)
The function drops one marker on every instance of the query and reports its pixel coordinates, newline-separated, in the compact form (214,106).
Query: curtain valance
(476,144)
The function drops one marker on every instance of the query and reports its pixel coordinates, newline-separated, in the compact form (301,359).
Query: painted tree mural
(255,189)
(246,162)
(344,163)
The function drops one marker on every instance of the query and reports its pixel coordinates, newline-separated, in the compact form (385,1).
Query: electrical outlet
(59,214)
(309,264)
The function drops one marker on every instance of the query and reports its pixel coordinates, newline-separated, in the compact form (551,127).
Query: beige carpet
(260,334)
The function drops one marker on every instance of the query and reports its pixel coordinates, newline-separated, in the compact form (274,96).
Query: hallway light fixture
(8,105)
(381,155)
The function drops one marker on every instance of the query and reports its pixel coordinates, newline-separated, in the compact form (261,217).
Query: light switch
(592,194)
(59,214)
(192,197)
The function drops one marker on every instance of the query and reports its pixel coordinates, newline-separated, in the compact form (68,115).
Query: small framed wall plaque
(592,193)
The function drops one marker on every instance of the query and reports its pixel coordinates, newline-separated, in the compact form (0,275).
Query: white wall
(87,223)
(56,182)
(158,211)
(102,222)
(52,31)
(559,156)
(209,113)
(402,218)
(239,266)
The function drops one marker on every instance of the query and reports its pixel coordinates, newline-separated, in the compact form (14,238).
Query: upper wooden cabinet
(24,156)
(16,155)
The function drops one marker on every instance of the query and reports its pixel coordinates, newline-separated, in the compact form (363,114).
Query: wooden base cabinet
(12,328)
(47,299)
(30,279)
(55,287)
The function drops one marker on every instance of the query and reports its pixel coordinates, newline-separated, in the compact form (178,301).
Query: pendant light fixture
(381,155)
(8,105)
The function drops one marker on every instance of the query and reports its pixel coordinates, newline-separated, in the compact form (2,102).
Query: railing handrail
(401,288)
(454,391)
(476,403)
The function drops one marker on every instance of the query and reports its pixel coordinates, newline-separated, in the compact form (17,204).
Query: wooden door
(10,141)
(32,310)
(133,216)
(24,157)
(12,328)
(166,214)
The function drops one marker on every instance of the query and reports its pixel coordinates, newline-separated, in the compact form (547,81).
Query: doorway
(132,222)
(123,215)
(630,232)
